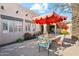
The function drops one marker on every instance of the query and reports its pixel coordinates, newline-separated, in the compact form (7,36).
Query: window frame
(5,31)
(13,26)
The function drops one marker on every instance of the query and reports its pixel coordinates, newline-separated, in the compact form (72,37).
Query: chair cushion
(43,44)
(44,41)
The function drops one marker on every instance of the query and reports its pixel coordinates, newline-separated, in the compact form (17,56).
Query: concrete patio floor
(30,48)
(71,51)
(27,48)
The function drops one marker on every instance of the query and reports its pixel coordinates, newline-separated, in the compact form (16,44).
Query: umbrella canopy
(42,21)
(54,18)
(39,21)
(62,25)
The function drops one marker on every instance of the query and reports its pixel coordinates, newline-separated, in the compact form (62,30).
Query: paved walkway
(27,48)
(71,51)
(30,48)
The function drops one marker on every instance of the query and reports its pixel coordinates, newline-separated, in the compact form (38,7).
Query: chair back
(46,43)
(59,39)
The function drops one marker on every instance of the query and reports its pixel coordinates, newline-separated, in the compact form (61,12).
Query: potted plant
(64,32)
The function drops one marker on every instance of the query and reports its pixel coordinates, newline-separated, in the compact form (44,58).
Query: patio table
(54,41)
(58,39)
(55,37)
(50,38)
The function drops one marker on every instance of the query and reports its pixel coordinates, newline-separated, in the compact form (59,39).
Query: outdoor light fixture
(17,11)
(26,14)
(2,7)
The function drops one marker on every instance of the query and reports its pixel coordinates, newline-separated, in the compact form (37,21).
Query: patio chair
(58,42)
(44,42)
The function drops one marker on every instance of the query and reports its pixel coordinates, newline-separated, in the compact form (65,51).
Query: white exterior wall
(10,10)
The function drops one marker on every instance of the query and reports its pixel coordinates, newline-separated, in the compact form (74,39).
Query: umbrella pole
(45,28)
(55,29)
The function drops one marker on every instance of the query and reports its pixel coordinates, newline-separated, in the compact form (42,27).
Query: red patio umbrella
(54,18)
(42,21)
(35,21)
(62,25)
(51,19)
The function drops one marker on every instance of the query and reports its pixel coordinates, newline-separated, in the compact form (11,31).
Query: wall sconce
(26,15)
(17,12)
(2,7)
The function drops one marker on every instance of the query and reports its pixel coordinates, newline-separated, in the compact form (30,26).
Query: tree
(72,8)
(75,19)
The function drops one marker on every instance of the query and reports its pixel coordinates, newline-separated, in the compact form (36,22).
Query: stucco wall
(10,10)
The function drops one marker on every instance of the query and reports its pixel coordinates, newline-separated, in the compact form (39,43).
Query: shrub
(19,40)
(27,36)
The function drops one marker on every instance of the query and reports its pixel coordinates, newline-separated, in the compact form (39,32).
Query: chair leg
(78,42)
(60,50)
(39,48)
(48,51)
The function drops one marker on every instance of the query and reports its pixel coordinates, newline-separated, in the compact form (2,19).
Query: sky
(45,8)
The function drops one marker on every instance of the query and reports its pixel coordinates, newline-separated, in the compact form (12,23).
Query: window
(26,27)
(12,26)
(18,26)
(5,26)
(33,27)
(29,27)
(15,26)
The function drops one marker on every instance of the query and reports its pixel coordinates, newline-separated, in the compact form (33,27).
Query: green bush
(27,36)
(19,40)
